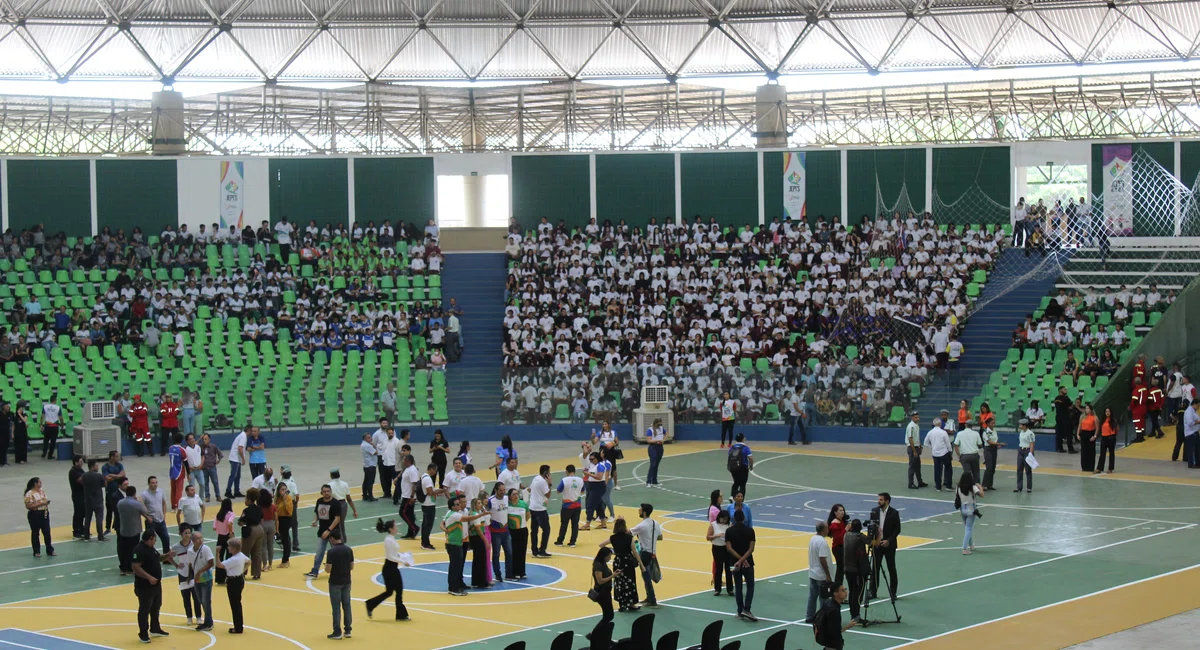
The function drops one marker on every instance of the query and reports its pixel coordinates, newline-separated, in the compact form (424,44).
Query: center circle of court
(431,578)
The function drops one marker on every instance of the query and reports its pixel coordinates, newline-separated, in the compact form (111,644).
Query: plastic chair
(641,633)
(775,641)
(600,637)
(668,641)
(710,638)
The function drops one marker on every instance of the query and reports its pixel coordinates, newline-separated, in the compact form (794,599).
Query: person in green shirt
(479,516)
(518,532)
(453,525)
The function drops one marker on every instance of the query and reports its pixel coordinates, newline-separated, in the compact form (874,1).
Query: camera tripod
(879,574)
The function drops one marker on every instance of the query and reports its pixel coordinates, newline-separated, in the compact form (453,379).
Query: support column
(762,198)
(1178,189)
(678,192)
(350,217)
(845,189)
(929,179)
(473,186)
(592,186)
(770,108)
(94,202)
(3,194)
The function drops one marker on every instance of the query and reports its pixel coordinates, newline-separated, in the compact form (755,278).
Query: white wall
(199,190)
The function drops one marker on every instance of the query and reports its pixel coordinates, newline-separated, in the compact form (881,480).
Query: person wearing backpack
(739,463)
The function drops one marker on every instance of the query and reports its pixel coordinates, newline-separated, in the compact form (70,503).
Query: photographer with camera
(887,528)
(819,574)
(858,563)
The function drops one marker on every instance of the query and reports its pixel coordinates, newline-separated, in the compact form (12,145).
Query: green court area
(1074,536)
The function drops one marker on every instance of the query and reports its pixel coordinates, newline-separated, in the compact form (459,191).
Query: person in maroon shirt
(837,532)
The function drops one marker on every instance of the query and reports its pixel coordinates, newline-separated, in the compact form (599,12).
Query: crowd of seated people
(1068,323)
(593,312)
(337,306)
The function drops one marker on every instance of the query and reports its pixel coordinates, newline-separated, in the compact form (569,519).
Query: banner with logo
(233,192)
(793,185)
(1118,188)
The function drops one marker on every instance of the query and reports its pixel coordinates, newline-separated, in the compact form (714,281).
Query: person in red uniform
(139,426)
(1156,403)
(1139,370)
(1139,402)
(168,411)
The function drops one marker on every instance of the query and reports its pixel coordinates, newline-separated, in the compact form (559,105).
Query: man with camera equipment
(827,626)
(886,522)
(819,575)
(858,564)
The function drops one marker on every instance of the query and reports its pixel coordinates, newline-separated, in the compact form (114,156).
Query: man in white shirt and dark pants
(819,571)
(410,480)
(647,532)
(370,465)
(967,443)
(237,458)
(940,447)
(539,517)
(912,444)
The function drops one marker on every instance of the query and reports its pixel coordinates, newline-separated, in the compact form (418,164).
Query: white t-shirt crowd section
(594,313)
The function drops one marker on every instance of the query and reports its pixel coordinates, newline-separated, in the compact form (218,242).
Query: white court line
(1049,605)
(17,645)
(56,565)
(1039,542)
(212,639)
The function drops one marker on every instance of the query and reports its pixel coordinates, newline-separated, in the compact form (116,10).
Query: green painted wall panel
(889,173)
(635,187)
(972,185)
(721,185)
(56,193)
(1189,163)
(555,187)
(822,185)
(394,189)
(141,193)
(306,189)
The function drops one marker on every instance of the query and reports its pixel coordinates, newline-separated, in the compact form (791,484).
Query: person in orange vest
(1156,403)
(139,426)
(1138,402)
(168,425)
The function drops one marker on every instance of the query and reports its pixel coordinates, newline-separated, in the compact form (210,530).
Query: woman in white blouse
(392,581)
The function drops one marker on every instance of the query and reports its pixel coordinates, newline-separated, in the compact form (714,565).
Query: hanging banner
(793,185)
(1118,189)
(232,191)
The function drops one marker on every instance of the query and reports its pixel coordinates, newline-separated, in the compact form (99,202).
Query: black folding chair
(668,641)
(641,634)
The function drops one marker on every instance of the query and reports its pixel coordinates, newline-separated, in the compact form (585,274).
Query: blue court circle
(431,578)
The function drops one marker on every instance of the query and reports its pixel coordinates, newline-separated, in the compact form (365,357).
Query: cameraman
(858,564)
(888,522)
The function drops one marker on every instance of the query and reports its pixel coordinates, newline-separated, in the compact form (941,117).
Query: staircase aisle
(476,281)
(988,333)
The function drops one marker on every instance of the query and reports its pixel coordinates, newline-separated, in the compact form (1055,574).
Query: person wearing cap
(968,443)
(940,447)
(1025,444)
(912,442)
(948,423)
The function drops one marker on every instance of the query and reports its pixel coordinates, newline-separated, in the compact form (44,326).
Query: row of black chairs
(641,637)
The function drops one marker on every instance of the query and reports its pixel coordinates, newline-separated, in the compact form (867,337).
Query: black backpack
(737,459)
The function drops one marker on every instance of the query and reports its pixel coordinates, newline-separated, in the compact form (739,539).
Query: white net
(902,204)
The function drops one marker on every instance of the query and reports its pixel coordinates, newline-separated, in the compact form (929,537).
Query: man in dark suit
(885,542)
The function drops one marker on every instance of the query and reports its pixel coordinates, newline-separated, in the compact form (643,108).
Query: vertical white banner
(1118,189)
(793,185)
(232,191)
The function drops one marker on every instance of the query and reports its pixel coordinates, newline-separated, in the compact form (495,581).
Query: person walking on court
(339,564)
(129,529)
(968,443)
(570,487)
(912,444)
(739,543)
(392,581)
(93,501)
(1108,442)
(1025,444)
(327,519)
(738,504)
(941,448)
(147,586)
(234,567)
(285,514)
(341,492)
(656,436)
(37,507)
(427,494)
(539,516)
(739,462)
(965,500)
(409,482)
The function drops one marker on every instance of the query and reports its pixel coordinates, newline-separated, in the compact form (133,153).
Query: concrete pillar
(167,109)
(474,193)
(770,107)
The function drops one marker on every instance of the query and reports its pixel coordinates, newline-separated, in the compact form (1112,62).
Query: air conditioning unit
(96,436)
(654,407)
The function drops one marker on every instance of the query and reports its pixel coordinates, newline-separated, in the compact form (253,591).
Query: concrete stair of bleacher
(476,281)
(988,333)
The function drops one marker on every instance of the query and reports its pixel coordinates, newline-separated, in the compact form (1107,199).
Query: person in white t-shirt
(941,448)
(819,570)
(539,517)
(409,481)
(728,409)
(469,486)
(510,477)
(237,458)
(570,487)
(234,566)
(427,494)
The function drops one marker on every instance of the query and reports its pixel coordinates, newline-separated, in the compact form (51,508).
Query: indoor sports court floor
(1079,558)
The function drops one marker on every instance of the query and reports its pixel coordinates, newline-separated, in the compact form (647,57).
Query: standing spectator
(796,416)
(427,494)
(190,405)
(387,402)
(1086,433)
(837,537)
(602,578)
(75,481)
(439,449)
(409,481)
(965,500)
(819,573)
(202,561)
(341,492)
(539,516)
(1108,442)
(570,487)
(223,527)
(285,515)
(51,425)
(370,464)
(147,586)
(991,453)
(1025,444)
(858,564)
(390,451)
(625,562)
(210,459)
(288,479)
(190,512)
(721,562)
(596,477)
(729,411)
(37,507)
(656,436)
(183,570)
(6,430)
(1063,440)
(237,459)
(139,427)
(739,544)
(739,462)
(234,567)
(193,458)
(178,470)
(20,432)
(156,506)
(114,473)
(1191,434)
(912,443)
(648,533)
(968,443)
(939,443)
(257,446)
(93,501)
(132,512)
(168,423)
(885,542)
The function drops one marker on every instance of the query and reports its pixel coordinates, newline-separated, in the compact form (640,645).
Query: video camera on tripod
(879,574)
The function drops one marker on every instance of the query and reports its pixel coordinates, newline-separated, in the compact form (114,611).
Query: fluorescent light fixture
(467,84)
